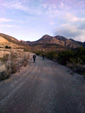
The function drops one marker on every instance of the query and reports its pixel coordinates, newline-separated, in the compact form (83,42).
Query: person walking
(34,58)
(43,56)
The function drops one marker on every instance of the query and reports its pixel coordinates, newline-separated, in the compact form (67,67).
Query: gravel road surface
(43,87)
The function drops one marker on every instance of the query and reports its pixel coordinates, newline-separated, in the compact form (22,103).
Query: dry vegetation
(72,58)
(11,60)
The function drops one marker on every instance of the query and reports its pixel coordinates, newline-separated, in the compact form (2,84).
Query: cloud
(25,6)
(60,11)
(81,23)
(71,31)
(44,6)
(61,5)
(81,4)
(5,20)
(72,26)
(14,5)
(69,17)
(9,26)
(52,23)
(31,7)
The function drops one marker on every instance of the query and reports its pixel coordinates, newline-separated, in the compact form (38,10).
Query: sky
(29,20)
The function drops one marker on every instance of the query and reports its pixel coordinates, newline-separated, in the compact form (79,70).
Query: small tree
(7,47)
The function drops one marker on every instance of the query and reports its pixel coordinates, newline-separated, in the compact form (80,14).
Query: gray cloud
(72,27)
(70,31)
(81,23)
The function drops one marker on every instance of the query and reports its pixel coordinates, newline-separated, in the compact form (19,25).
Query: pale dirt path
(43,87)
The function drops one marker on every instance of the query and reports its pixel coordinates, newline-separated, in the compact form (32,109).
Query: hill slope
(59,40)
(46,43)
(6,40)
(54,42)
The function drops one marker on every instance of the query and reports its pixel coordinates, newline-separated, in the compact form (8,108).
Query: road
(43,87)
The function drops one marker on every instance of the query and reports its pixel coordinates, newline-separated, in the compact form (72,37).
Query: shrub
(5,57)
(51,55)
(7,47)
(25,63)
(3,75)
(26,49)
(65,56)
(14,68)
(76,60)
(13,56)
(3,72)
(39,53)
(76,56)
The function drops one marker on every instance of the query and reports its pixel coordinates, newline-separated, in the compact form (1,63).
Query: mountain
(6,40)
(45,43)
(54,42)
(59,40)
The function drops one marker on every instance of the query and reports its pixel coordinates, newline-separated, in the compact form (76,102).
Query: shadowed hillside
(50,43)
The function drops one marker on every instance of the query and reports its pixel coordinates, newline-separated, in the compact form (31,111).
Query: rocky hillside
(46,43)
(54,43)
(57,40)
(6,40)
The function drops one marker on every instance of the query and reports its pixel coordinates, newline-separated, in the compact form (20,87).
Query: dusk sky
(29,20)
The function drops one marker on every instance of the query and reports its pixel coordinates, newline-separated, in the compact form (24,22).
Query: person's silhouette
(43,56)
(34,58)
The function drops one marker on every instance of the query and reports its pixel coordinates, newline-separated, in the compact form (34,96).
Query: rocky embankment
(11,61)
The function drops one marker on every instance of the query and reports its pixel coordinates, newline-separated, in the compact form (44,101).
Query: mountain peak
(60,38)
(57,40)
(46,36)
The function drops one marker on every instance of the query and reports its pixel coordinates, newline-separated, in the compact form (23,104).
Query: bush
(3,73)
(51,55)
(25,61)
(65,56)
(76,60)
(76,56)
(7,47)
(39,53)
(14,68)
(5,57)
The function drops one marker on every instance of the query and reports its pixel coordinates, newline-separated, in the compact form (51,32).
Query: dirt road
(43,87)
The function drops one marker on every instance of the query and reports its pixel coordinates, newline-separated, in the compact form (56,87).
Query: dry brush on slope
(11,61)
